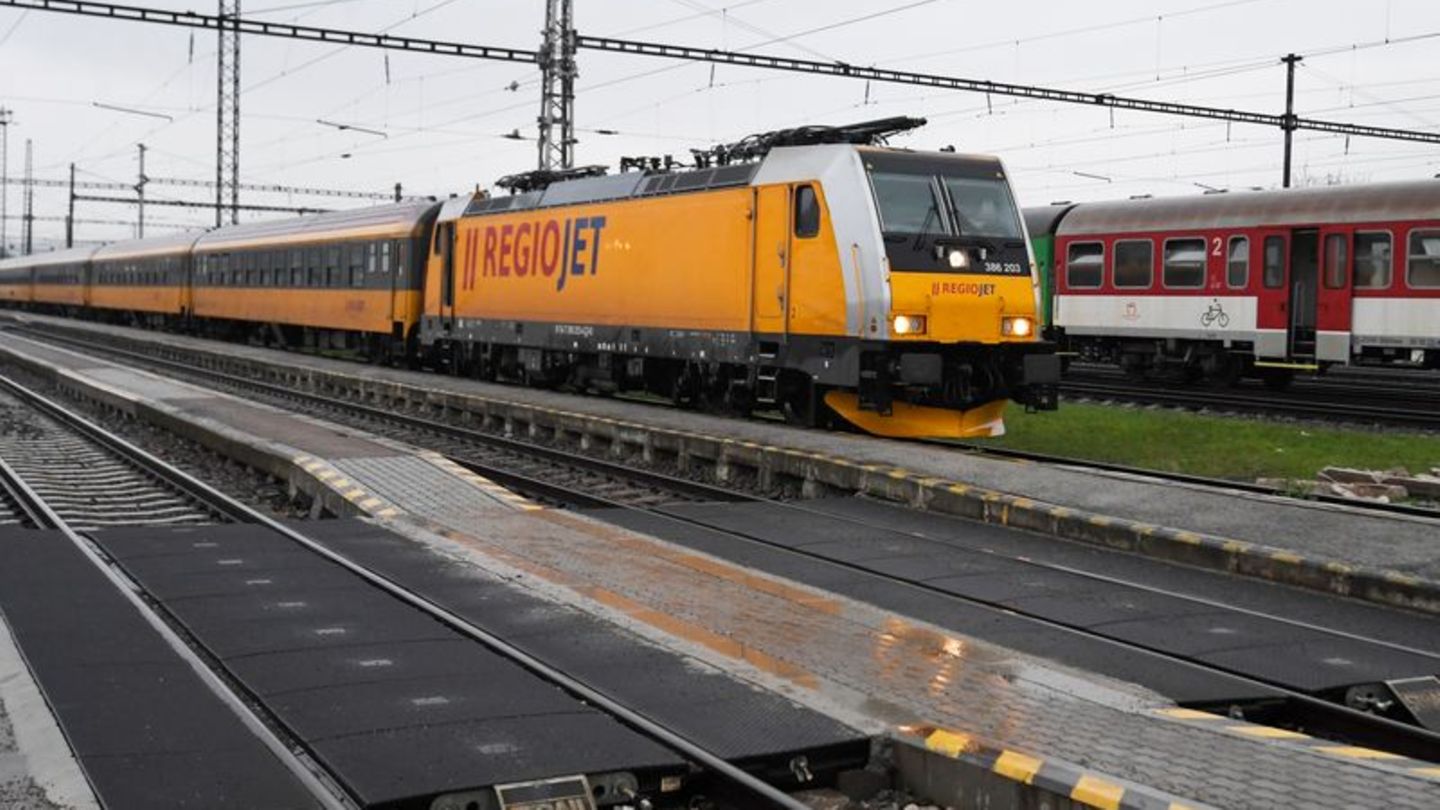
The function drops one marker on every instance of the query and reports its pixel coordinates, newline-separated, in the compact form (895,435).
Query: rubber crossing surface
(1248,645)
(396,705)
(148,732)
(728,716)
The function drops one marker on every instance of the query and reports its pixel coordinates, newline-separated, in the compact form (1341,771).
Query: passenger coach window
(807,212)
(1337,261)
(1237,268)
(1423,269)
(1185,263)
(1274,262)
(1372,260)
(1084,264)
(1134,263)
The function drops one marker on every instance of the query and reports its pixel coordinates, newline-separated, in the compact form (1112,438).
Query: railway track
(1249,487)
(1414,405)
(549,475)
(536,475)
(83,483)
(49,512)
(529,466)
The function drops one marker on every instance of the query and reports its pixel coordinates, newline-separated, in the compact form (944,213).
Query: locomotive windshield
(928,200)
(983,207)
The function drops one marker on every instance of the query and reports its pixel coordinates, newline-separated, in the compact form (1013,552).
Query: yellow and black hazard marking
(1240,728)
(1052,776)
(484,484)
(363,499)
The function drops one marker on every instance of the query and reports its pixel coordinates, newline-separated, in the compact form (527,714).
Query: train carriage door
(1332,307)
(1272,321)
(770,292)
(1304,284)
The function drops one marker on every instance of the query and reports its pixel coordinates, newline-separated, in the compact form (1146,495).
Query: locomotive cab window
(1237,263)
(1373,260)
(1084,264)
(1423,268)
(1134,263)
(807,212)
(983,207)
(1184,263)
(908,204)
(1337,264)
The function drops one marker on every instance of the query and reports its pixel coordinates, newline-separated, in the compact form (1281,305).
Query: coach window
(1084,264)
(1423,267)
(807,212)
(1184,263)
(356,255)
(315,269)
(1134,263)
(1274,262)
(1373,260)
(372,257)
(1337,261)
(1237,263)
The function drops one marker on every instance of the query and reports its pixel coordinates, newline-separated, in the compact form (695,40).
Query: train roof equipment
(757,146)
(734,164)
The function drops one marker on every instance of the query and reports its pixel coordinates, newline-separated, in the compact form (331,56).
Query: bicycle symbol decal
(1215,314)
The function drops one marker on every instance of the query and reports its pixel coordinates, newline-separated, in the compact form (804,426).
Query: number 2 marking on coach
(1215,246)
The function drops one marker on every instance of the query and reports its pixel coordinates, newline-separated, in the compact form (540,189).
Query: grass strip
(1216,446)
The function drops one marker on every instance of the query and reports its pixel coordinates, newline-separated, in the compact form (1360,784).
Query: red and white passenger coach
(1261,283)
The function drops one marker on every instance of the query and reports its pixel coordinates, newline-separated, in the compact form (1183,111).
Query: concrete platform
(1385,558)
(1104,741)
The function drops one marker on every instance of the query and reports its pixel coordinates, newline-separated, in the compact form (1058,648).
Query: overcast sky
(444,119)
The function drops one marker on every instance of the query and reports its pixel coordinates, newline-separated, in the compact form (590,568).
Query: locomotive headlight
(958,259)
(1019,326)
(909,324)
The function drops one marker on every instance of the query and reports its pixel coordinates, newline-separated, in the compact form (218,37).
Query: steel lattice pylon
(557,99)
(227,115)
(5,121)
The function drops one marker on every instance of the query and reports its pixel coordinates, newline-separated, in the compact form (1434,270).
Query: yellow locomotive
(807,270)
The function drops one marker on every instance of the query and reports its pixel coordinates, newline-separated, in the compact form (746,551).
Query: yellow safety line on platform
(1357,752)
(489,487)
(1097,792)
(949,743)
(1017,766)
(1412,767)
(1268,732)
(1089,788)
(337,483)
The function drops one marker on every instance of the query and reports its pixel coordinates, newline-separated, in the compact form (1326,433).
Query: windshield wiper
(925,226)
